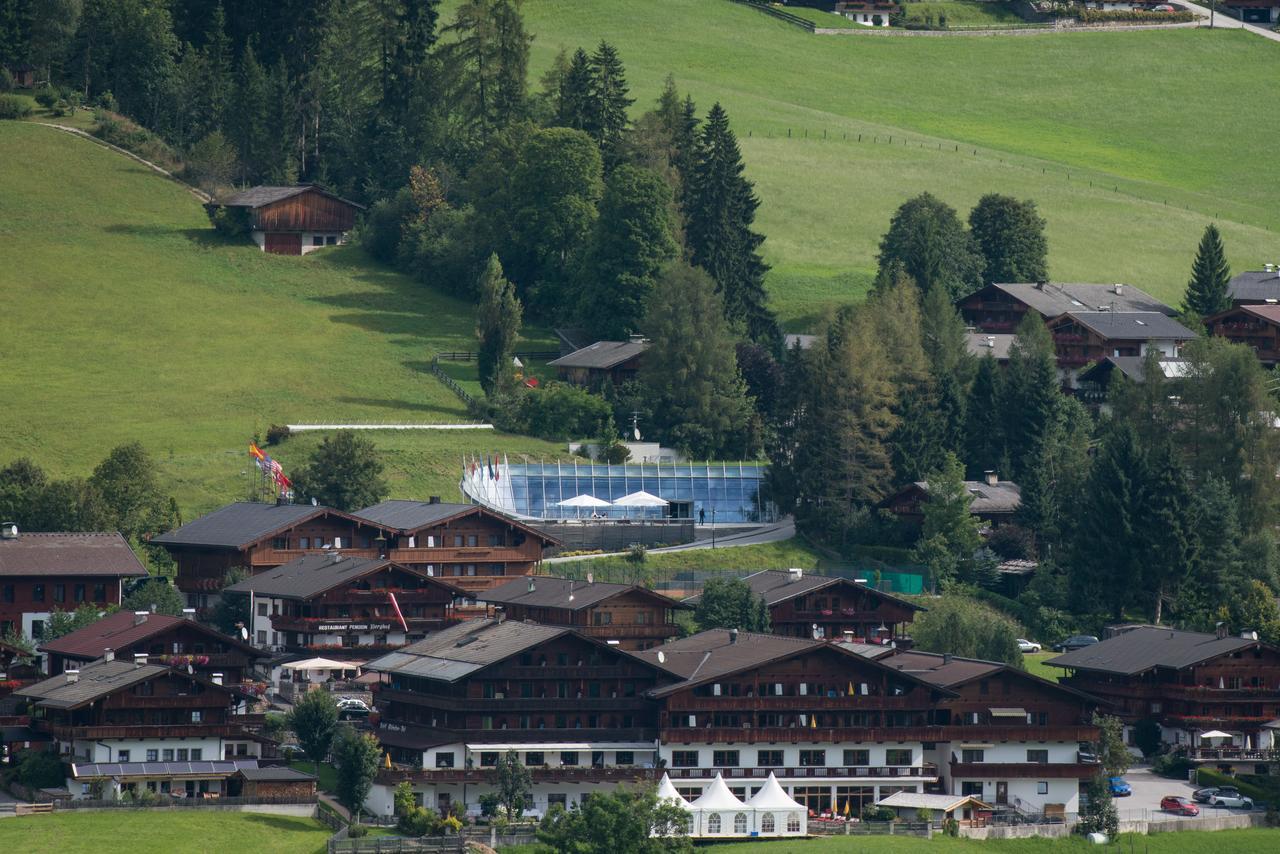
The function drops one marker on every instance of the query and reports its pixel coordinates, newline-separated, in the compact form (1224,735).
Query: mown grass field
(1160,133)
(178,832)
(125,317)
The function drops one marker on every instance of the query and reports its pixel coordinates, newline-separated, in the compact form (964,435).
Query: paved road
(1227,22)
(1149,788)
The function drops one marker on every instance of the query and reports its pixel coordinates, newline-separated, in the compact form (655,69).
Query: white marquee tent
(718,813)
(775,813)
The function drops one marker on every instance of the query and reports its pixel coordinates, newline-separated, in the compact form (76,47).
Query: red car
(1179,805)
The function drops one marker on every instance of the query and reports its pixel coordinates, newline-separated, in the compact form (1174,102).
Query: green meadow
(1129,141)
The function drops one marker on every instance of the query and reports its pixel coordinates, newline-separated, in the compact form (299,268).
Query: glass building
(705,492)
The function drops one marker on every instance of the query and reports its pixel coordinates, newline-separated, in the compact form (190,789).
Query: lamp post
(713,526)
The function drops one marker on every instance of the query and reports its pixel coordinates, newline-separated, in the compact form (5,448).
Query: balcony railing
(654,631)
(799,734)
(488,705)
(1238,754)
(925,770)
(69,733)
(1026,770)
(766,703)
(559,774)
(312,625)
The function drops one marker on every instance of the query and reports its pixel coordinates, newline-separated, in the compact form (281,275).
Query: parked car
(1087,755)
(1119,787)
(1163,7)
(1178,805)
(1075,642)
(1203,795)
(1028,646)
(352,703)
(1231,800)
(351,708)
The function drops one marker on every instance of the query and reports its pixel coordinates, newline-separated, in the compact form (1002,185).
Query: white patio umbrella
(1214,733)
(580,501)
(641,499)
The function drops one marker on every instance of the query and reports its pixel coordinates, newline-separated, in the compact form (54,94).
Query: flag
(850,694)
(489,460)
(255,451)
(813,722)
(846,808)
(283,481)
(396,607)
(387,760)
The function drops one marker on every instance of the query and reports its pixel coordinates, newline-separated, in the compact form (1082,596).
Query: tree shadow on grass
(408,405)
(276,822)
(207,238)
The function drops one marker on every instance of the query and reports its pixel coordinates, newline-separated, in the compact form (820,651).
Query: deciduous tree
(314,720)
(728,603)
(931,244)
(355,756)
(344,472)
(1010,237)
(155,594)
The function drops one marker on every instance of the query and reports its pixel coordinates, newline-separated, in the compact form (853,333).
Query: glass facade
(722,493)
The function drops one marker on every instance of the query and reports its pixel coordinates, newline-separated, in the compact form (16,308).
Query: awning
(321,664)
(1009,713)
(566,745)
(1215,733)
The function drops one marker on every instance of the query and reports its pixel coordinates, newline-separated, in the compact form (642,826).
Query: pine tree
(1218,566)
(511,52)
(1052,478)
(690,373)
(552,83)
(249,121)
(1169,529)
(608,105)
(1207,292)
(942,335)
(218,65)
(497,327)
(487,62)
(1010,236)
(949,533)
(984,422)
(575,93)
(1030,394)
(631,243)
(720,209)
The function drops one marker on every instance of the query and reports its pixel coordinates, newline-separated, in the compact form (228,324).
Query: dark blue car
(1119,788)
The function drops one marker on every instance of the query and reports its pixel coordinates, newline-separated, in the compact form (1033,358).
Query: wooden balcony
(559,774)
(648,631)
(460,554)
(425,735)
(1027,770)
(70,733)
(1232,754)
(923,771)
(279,557)
(311,625)
(871,735)
(856,703)
(491,705)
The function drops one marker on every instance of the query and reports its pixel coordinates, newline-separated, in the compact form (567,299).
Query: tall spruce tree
(984,422)
(720,209)
(631,243)
(575,93)
(1170,528)
(1218,567)
(1207,292)
(487,61)
(249,129)
(942,335)
(931,244)
(949,533)
(1030,395)
(1010,236)
(690,373)
(608,105)
(497,328)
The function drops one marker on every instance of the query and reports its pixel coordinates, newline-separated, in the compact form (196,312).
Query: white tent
(641,499)
(718,813)
(775,813)
(667,792)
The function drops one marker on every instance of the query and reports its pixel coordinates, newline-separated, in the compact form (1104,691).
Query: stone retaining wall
(1010,31)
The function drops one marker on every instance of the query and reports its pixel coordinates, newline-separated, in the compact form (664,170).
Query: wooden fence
(450,383)
(803,23)
(397,844)
(470,356)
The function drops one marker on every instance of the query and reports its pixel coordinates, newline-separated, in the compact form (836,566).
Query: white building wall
(30,616)
(747,757)
(108,750)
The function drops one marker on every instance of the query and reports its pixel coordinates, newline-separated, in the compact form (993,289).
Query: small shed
(909,804)
(288,220)
(276,782)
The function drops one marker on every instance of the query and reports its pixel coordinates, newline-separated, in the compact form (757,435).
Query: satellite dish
(662,657)
(244,633)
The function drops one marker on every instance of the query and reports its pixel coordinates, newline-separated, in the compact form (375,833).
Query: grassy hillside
(1160,132)
(126,317)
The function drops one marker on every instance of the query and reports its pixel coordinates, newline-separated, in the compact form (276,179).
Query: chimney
(217,679)
(188,613)
(281,501)
(848,636)
(1220,629)
(990,342)
(1118,289)
(990,477)
(139,659)
(8,530)
(1248,634)
(733,636)
(73,676)
(140,617)
(795,574)
(435,499)
(499,614)
(1040,285)
(946,658)
(108,654)
(532,586)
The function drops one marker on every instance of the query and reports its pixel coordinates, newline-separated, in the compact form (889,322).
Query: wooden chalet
(1094,381)
(1256,287)
(625,615)
(1256,325)
(995,501)
(335,603)
(614,362)
(1084,337)
(871,13)
(1190,683)
(292,220)
(174,641)
(469,544)
(1000,307)
(45,572)
(130,725)
(805,605)
(572,708)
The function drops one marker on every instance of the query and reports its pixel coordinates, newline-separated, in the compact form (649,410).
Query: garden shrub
(14,107)
(40,769)
(555,411)
(46,96)
(1140,16)
(7,83)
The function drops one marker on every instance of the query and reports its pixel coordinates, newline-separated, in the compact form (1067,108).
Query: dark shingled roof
(1255,285)
(552,592)
(996,344)
(1059,298)
(463,649)
(714,653)
(311,575)
(1003,497)
(1131,325)
(55,553)
(1141,649)
(275,774)
(119,631)
(1133,367)
(244,523)
(1269,313)
(256,197)
(777,585)
(412,515)
(601,355)
(95,681)
(938,670)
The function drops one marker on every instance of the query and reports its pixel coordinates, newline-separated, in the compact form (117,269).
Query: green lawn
(820,17)
(126,317)
(1035,665)
(967,13)
(1160,132)
(780,555)
(177,832)
(326,777)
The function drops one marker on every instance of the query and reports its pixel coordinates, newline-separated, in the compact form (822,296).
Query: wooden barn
(291,220)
